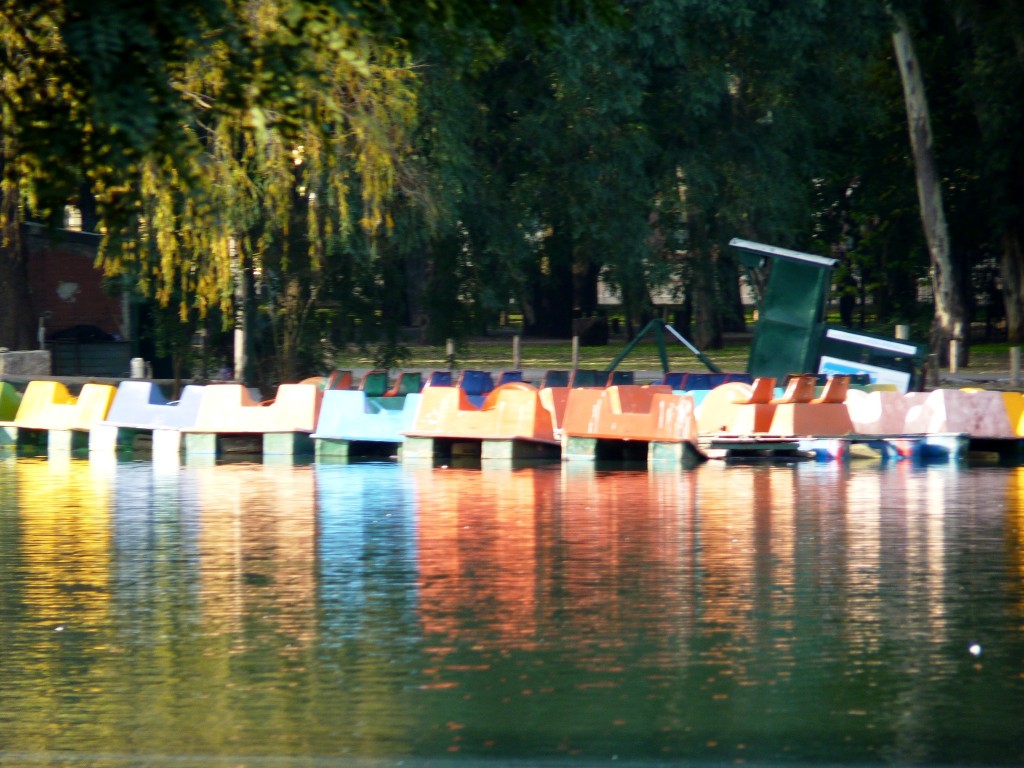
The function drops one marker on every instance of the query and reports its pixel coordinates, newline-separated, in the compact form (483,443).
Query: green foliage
(368,166)
(634,151)
(219,139)
(280,175)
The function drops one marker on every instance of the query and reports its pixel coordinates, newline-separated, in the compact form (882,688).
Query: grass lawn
(990,358)
(496,353)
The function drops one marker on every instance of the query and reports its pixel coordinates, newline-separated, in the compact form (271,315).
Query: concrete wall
(35,363)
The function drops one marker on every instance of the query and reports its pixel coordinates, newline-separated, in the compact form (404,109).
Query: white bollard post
(517,358)
(1014,366)
(138,368)
(903,332)
(575,352)
(954,351)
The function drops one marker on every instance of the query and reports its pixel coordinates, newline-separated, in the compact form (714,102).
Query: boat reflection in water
(477,546)
(51,527)
(815,612)
(257,547)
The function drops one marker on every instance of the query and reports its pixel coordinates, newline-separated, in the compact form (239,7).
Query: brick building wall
(65,283)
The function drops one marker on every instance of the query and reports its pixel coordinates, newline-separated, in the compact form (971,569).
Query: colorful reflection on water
(240,613)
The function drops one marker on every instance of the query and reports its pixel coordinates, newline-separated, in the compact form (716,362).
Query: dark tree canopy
(373,165)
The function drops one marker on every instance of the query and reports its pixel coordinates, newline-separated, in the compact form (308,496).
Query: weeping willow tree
(286,175)
(86,90)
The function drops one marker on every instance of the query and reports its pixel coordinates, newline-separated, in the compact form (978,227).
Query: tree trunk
(585,282)
(443,310)
(733,315)
(703,256)
(17,315)
(1011,270)
(707,324)
(950,315)
(418,276)
(551,295)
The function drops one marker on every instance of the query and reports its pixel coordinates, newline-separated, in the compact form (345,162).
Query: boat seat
(738,408)
(407,383)
(824,416)
(374,383)
(584,377)
(476,383)
(746,378)
(507,377)
(799,389)
(703,381)
(685,381)
(439,379)
(10,399)
(835,390)
(339,380)
(675,379)
(555,379)
(761,391)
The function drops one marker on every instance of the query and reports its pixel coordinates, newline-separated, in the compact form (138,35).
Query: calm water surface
(257,615)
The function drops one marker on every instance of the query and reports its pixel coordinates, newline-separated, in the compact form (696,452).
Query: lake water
(246,614)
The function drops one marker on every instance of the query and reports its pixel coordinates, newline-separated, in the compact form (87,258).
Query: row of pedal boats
(680,417)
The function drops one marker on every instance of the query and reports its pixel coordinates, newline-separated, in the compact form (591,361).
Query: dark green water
(378,614)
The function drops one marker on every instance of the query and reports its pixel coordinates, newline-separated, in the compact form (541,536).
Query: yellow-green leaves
(291,112)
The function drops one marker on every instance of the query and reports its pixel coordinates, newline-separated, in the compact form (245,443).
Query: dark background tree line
(346,170)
